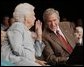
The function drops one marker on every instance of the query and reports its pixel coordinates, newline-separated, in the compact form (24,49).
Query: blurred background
(70,9)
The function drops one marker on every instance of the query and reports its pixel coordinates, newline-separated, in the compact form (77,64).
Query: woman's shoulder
(17,26)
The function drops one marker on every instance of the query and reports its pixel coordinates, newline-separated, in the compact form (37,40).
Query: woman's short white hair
(21,11)
(48,12)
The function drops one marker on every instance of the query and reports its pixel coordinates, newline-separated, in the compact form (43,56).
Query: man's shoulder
(64,24)
(67,24)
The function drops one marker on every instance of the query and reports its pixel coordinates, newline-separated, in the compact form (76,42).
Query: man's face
(53,21)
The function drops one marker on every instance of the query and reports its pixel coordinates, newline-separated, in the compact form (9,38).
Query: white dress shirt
(60,32)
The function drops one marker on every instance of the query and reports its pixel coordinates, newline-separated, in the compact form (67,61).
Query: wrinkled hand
(34,35)
(43,63)
(38,29)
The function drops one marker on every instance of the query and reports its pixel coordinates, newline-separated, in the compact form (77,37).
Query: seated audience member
(11,21)
(79,34)
(76,58)
(22,49)
(58,38)
(5,23)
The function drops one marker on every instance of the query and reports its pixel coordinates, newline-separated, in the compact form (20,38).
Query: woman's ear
(25,18)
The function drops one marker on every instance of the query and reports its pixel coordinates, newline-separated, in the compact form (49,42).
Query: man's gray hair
(21,11)
(48,12)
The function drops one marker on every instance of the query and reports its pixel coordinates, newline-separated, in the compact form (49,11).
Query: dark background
(71,9)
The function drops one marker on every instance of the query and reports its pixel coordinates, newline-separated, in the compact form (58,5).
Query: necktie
(64,42)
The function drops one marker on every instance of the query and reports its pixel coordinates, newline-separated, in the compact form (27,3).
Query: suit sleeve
(50,56)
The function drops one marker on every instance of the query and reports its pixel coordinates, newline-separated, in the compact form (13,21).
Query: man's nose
(52,23)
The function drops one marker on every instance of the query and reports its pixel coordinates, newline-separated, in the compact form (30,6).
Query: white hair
(48,12)
(79,28)
(21,11)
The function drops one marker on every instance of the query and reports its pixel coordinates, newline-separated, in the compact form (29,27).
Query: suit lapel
(53,37)
(68,36)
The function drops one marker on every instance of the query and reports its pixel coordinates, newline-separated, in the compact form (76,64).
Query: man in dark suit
(58,38)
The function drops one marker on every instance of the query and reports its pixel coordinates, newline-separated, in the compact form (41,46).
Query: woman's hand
(38,29)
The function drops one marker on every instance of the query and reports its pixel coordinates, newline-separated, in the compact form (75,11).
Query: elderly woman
(24,48)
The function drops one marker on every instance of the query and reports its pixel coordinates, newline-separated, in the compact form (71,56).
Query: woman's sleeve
(16,41)
(39,46)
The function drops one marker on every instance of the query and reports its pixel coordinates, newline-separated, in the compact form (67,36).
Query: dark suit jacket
(76,57)
(54,52)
